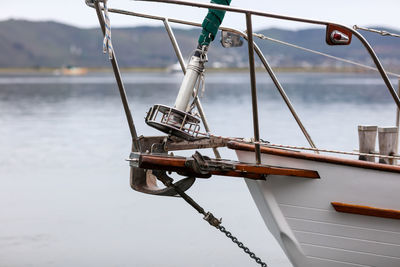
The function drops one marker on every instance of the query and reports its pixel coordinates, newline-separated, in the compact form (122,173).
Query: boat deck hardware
(336,35)
(174,122)
(388,143)
(230,39)
(203,167)
(367,141)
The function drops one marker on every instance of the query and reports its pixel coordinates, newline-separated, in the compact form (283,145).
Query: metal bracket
(174,122)
(145,180)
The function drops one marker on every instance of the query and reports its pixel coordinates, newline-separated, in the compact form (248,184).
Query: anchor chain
(240,245)
(208,216)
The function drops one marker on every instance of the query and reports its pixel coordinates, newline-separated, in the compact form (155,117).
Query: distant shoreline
(141,69)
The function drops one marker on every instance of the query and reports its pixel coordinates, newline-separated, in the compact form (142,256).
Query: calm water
(65,198)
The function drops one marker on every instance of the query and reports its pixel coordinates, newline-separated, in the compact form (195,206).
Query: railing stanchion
(124,98)
(250,46)
(397,108)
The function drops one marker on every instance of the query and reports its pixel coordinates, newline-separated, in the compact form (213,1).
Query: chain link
(241,245)
(208,216)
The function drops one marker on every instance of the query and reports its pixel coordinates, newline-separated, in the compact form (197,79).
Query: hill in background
(26,44)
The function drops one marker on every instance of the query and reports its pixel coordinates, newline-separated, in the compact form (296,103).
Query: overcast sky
(348,12)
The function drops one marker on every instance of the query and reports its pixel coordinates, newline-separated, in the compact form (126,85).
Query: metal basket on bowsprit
(173,121)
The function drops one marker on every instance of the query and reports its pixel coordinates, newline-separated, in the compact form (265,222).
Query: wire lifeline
(263,37)
(332,151)
(381,32)
(251,141)
(107,44)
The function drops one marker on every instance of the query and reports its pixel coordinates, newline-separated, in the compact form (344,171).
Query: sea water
(65,198)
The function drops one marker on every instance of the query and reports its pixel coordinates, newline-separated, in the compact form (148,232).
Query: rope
(202,82)
(107,44)
(263,37)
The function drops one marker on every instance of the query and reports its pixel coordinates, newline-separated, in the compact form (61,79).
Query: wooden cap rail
(231,168)
(366,210)
(314,157)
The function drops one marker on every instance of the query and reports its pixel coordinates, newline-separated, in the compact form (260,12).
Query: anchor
(145,180)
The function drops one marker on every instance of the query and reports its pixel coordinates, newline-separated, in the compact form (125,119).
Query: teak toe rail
(314,157)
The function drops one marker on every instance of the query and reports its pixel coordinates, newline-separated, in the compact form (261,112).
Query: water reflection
(64,190)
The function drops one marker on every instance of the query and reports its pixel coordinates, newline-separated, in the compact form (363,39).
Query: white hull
(298,212)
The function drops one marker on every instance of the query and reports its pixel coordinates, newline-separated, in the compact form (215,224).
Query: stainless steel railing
(252,47)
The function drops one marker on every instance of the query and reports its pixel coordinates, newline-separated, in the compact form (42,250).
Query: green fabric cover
(212,22)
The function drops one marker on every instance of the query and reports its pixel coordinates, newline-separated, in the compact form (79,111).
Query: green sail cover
(212,22)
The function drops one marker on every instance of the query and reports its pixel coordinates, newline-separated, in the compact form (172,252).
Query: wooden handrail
(366,210)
